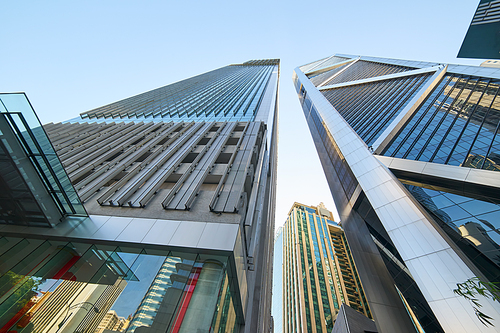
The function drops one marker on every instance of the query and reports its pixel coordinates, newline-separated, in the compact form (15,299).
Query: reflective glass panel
(49,286)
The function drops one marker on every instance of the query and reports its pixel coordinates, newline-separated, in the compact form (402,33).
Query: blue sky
(70,57)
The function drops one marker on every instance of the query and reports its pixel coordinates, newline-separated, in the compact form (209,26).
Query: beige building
(73,306)
(319,274)
(112,322)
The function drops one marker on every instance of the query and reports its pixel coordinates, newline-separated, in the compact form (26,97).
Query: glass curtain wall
(52,286)
(457,125)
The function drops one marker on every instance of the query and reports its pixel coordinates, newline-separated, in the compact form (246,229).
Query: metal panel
(82,155)
(84,136)
(245,169)
(185,195)
(182,147)
(99,169)
(223,180)
(102,140)
(232,188)
(389,193)
(167,202)
(103,197)
(143,195)
(154,150)
(98,156)
(121,150)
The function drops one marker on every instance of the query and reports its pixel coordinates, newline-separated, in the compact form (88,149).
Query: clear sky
(72,56)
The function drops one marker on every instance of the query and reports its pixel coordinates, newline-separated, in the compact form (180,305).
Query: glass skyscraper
(411,153)
(318,273)
(170,194)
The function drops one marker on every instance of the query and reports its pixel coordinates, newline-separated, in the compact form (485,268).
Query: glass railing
(17,112)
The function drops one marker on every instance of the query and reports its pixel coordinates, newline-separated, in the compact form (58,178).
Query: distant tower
(318,272)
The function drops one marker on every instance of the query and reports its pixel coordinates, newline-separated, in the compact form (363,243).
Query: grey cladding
(129,164)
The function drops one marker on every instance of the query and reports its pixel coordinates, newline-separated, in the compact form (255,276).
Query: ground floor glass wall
(53,286)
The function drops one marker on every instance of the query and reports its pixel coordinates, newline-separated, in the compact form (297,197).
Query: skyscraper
(171,191)
(92,302)
(318,273)
(480,41)
(410,152)
(112,322)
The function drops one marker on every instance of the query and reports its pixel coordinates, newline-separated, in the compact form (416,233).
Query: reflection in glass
(457,124)
(396,267)
(471,223)
(29,159)
(54,287)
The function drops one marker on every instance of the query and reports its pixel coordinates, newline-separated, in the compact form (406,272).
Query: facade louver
(173,198)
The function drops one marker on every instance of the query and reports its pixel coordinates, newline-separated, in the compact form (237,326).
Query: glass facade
(473,224)
(365,69)
(51,286)
(231,93)
(28,159)
(328,62)
(348,181)
(317,264)
(457,125)
(314,64)
(323,77)
(369,108)
(434,227)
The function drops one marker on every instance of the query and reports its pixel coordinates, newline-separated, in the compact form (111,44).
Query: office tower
(410,152)
(480,41)
(92,303)
(162,283)
(112,322)
(318,272)
(277,304)
(171,191)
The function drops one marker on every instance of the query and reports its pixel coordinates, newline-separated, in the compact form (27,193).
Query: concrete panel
(416,240)
(188,234)
(454,179)
(398,163)
(136,230)
(484,177)
(112,228)
(161,232)
(219,236)
(88,227)
(451,172)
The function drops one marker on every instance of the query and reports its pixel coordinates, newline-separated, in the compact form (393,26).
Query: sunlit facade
(318,272)
(158,209)
(112,322)
(410,151)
